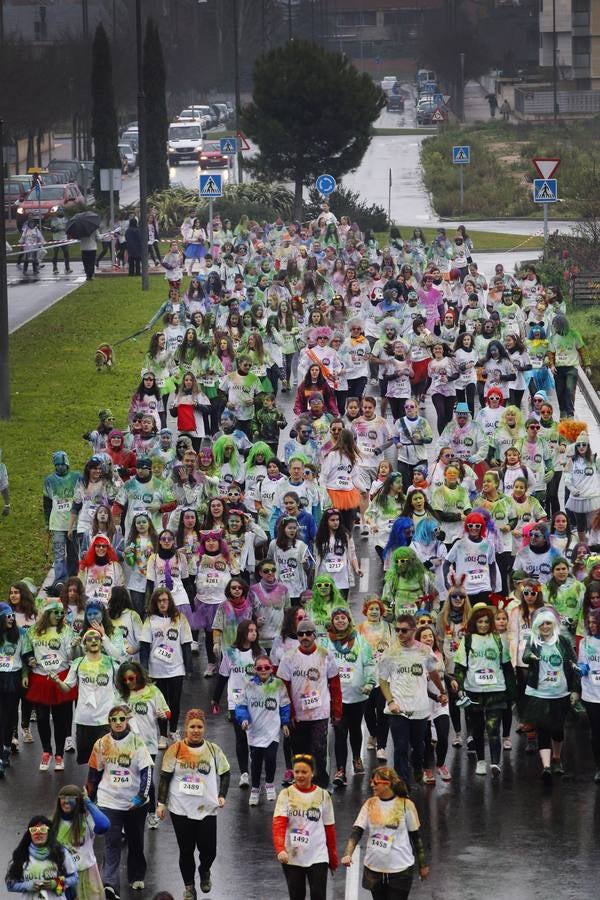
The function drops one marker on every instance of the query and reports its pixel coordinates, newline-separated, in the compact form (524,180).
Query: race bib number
(475,578)
(50,661)
(76,857)
(551,676)
(5,663)
(485,677)
(536,362)
(300,838)
(192,786)
(163,652)
(345,673)
(311,700)
(286,574)
(595,676)
(119,777)
(382,842)
(562,357)
(334,563)
(63,505)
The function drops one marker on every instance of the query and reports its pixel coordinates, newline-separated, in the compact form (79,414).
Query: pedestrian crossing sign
(461,156)
(211,186)
(228,146)
(545,190)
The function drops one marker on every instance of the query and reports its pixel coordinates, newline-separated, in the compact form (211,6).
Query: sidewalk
(477,109)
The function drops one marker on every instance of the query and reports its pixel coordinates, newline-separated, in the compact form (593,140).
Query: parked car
(203,114)
(185,142)
(388,82)
(395,102)
(51,197)
(67,165)
(210,157)
(126,150)
(14,193)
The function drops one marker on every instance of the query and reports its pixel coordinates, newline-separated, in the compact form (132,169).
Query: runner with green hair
(407,586)
(325,598)
(229,463)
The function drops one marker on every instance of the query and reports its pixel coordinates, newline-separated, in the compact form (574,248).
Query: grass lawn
(482,240)
(56,395)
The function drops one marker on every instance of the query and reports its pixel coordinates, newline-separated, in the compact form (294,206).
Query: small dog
(105,357)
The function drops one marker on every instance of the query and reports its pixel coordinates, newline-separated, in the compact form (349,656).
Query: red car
(210,157)
(51,197)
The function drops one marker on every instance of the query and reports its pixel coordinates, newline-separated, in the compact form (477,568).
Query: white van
(185,141)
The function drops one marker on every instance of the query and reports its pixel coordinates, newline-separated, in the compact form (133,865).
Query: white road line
(365,566)
(353,877)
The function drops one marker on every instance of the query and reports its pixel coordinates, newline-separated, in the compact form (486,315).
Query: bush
(344,202)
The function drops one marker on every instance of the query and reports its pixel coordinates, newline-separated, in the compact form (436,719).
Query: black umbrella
(83,224)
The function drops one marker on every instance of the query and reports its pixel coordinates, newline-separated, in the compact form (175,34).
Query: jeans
(311,737)
(565,381)
(132,822)
(66,555)
(192,835)
(269,755)
(407,734)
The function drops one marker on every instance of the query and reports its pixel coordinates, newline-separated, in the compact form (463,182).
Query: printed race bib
(334,563)
(595,676)
(382,842)
(192,786)
(485,677)
(551,676)
(286,574)
(5,663)
(345,673)
(475,578)
(119,777)
(164,652)
(76,857)
(299,837)
(310,700)
(50,661)
(63,505)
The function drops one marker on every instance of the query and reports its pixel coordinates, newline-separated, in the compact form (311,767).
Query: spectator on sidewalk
(133,239)
(505,110)
(493,101)
(89,245)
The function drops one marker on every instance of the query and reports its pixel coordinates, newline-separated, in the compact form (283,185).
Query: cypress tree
(157,120)
(105,131)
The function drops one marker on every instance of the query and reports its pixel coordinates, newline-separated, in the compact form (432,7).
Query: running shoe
(495,770)
(175,736)
(45,762)
(271,793)
(557,767)
(288,778)
(428,776)
(444,773)
(14,745)
(110,893)
(210,670)
(382,753)
(190,893)
(244,780)
(59,764)
(153,821)
(371,743)
(507,744)
(254,797)
(162,742)
(137,886)
(470,745)
(33,716)
(457,742)
(547,775)
(70,745)
(339,779)
(358,766)
(205,882)
(27,736)
(373,382)
(481,767)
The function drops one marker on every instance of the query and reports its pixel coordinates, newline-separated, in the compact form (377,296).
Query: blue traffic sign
(461,156)
(228,146)
(211,186)
(545,190)
(326,184)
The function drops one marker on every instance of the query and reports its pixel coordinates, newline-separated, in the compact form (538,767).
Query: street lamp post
(142,163)
(236,79)
(554,65)
(4,343)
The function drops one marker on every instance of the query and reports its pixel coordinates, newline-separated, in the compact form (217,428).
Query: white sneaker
(175,736)
(27,736)
(371,743)
(271,793)
(382,753)
(70,745)
(481,767)
(495,770)
(153,821)
(137,886)
(254,796)
(195,647)
(244,780)
(162,743)
(210,670)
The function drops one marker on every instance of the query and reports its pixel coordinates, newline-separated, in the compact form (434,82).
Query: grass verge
(56,394)
(482,240)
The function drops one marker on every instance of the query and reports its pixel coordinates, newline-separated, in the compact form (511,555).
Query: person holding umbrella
(84,228)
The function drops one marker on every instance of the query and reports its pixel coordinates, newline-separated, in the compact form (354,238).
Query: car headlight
(20,210)
(170,147)
(198,148)
(53,209)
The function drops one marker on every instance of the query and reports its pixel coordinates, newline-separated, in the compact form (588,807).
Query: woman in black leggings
(443,372)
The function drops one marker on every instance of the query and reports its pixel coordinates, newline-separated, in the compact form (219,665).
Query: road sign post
(461,157)
(210,188)
(545,190)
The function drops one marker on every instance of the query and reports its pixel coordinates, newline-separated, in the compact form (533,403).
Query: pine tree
(105,131)
(157,120)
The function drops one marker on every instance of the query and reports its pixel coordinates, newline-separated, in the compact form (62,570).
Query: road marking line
(353,877)
(365,566)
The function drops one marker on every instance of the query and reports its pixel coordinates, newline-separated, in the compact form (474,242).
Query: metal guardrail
(589,392)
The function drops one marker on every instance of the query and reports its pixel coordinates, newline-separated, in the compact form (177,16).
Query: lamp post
(236,79)
(554,65)
(290,30)
(4,343)
(141,110)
